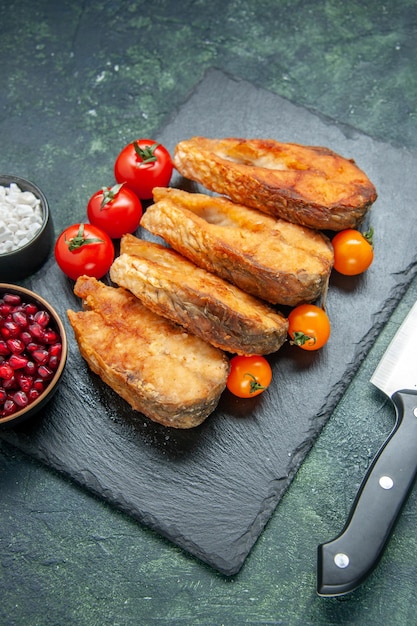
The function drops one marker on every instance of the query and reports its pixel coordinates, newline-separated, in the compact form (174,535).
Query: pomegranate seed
(18,361)
(39,384)
(36,331)
(12,298)
(21,399)
(4,350)
(42,318)
(40,356)
(53,362)
(5,310)
(26,337)
(9,407)
(50,336)
(3,395)
(16,346)
(10,383)
(6,371)
(32,346)
(45,372)
(30,368)
(25,382)
(31,308)
(20,318)
(56,349)
(10,329)
(33,394)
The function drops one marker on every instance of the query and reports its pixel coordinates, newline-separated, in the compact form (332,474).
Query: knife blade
(345,562)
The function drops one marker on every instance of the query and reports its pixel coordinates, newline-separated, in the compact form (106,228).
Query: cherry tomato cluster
(308,325)
(87,248)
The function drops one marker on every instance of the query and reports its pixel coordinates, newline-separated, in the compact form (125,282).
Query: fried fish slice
(206,305)
(170,376)
(308,185)
(272,259)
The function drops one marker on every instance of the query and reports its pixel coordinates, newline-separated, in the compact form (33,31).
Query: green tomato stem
(79,240)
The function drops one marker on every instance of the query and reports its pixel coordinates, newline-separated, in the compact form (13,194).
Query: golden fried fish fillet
(308,185)
(206,305)
(269,258)
(170,376)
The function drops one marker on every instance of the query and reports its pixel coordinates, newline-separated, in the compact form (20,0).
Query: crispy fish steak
(170,376)
(269,258)
(206,305)
(307,185)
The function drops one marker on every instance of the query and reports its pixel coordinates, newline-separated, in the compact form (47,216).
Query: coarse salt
(21,217)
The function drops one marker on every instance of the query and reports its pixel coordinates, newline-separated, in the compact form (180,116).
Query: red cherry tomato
(353,252)
(84,249)
(308,327)
(116,210)
(143,165)
(249,376)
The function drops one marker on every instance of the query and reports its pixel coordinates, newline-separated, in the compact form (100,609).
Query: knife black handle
(344,563)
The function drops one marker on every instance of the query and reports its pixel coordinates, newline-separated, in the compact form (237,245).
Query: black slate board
(211,490)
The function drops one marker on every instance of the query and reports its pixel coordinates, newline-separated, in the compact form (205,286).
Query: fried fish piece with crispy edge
(170,376)
(271,259)
(308,185)
(206,305)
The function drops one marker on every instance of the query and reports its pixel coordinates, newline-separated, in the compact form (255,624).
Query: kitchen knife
(344,563)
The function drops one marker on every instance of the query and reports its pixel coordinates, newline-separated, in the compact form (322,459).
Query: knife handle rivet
(386,482)
(341,560)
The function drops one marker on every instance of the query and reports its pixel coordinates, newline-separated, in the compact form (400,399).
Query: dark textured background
(78,80)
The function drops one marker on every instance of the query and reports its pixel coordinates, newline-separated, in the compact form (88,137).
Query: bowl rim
(37,191)
(25,292)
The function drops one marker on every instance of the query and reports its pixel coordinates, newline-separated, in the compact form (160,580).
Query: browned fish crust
(308,185)
(272,259)
(170,376)
(206,305)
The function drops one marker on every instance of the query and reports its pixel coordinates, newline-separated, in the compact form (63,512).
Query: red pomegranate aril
(6,371)
(40,355)
(20,318)
(31,308)
(16,346)
(36,330)
(39,384)
(18,361)
(12,298)
(32,346)
(20,399)
(33,394)
(4,350)
(3,395)
(42,318)
(9,407)
(50,336)
(25,382)
(26,337)
(10,329)
(56,349)
(30,368)
(53,362)
(45,372)
(10,383)
(5,310)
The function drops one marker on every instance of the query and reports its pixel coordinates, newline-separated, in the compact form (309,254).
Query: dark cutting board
(212,489)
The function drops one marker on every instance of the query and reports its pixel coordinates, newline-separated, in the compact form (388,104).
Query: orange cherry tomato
(353,252)
(308,327)
(249,376)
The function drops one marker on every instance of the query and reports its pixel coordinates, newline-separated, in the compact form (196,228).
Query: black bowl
(27,259)
(55,324)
